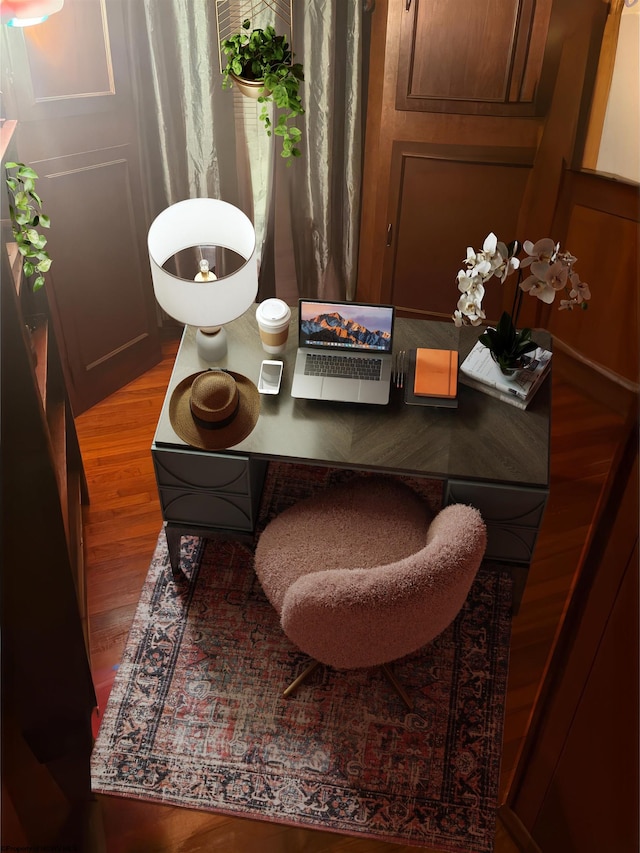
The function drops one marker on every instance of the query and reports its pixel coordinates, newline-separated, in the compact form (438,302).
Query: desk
(487,453)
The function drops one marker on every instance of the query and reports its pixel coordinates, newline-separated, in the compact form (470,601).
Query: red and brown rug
(196,716)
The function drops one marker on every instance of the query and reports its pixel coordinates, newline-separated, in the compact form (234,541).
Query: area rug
(196,716)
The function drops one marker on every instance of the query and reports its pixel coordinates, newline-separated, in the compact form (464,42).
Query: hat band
(217,424)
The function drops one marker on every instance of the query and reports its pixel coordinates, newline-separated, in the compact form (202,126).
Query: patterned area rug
(195,717)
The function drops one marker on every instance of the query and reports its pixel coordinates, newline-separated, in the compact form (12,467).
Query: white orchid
(578,295)
(492,260)
(551,272)
(543,250)
(469,311)
(471,284)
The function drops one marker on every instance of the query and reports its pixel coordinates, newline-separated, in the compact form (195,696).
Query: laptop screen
(345,325)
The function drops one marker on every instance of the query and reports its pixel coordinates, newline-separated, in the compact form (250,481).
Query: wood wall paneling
(598,221)
(417,220)
(399,122)
(443,199)
(602,744)
(67,82)
(99,283)
(580,756)
(47,693)
(70,65)
(487,60)
(71,57)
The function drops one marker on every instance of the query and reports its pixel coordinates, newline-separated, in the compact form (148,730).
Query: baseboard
(510,824)
(612,390)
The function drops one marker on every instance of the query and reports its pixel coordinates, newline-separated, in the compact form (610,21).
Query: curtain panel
(197,139)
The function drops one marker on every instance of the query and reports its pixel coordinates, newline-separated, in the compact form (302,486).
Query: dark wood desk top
(483,439)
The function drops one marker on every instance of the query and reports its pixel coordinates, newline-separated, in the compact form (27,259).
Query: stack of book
(479,371)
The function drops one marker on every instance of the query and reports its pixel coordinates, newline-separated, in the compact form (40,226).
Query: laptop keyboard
(342,366)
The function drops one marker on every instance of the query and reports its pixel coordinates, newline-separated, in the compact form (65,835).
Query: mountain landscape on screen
(331,327)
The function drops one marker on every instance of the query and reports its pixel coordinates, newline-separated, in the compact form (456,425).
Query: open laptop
(344,351)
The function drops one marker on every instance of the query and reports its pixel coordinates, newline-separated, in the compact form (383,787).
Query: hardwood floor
(123,521)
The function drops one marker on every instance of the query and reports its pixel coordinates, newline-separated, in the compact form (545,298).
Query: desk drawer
(207,509)
(194,469)
(506,505)
(512,544)
(513,516)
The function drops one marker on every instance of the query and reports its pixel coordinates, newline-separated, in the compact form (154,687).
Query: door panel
(486,60)
(70,58)
(434,220)
(106,318)
(67,84)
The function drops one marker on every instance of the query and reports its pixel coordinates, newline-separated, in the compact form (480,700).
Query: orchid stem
(517,299)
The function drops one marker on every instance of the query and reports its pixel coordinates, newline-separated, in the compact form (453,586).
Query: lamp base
(212,345)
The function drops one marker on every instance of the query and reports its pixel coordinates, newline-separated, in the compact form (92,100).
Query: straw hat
(214,409)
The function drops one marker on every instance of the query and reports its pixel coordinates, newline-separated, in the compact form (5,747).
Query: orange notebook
(436,373)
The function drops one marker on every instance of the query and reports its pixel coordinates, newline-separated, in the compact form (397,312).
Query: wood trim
(605,193)
(609,388)
(456,153)
(604,76)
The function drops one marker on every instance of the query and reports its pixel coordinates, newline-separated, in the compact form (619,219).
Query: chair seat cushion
(361,575)
(367,522)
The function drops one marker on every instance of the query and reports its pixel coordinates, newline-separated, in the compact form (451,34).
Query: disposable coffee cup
(273,316)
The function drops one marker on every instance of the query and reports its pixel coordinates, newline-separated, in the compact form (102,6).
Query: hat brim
(214,439)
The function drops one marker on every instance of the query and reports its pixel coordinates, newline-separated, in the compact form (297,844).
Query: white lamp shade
(203,222)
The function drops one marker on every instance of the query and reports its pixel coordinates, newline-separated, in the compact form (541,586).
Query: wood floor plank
(122,525)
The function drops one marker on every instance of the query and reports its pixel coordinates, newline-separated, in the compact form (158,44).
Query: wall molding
(615,391)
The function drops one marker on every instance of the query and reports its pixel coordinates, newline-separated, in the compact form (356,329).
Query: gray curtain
(197,139)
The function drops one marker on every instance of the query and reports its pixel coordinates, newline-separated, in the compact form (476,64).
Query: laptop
(344,352)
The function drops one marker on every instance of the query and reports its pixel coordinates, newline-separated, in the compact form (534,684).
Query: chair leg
(398,687)
(298,681)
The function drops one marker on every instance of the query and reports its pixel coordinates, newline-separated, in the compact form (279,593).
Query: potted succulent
(25,211)
(260,63)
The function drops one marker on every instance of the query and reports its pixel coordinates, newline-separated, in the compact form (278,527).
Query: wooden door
(67,83)
(471,112)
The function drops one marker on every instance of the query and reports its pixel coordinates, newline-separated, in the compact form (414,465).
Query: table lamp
(208,302)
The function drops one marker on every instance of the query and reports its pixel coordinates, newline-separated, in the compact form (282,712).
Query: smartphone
(270,377)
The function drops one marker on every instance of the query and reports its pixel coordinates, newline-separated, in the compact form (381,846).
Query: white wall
(620,144)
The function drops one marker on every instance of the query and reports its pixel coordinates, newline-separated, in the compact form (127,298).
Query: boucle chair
(360,575)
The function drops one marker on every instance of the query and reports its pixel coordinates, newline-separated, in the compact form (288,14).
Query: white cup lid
(273,310)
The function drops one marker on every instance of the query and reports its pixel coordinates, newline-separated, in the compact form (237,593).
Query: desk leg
(519,575)
(174,537)
(174,533)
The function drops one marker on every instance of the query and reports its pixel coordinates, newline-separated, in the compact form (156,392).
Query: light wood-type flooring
(123,521)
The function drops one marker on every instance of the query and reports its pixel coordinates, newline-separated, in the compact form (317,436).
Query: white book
(478,370)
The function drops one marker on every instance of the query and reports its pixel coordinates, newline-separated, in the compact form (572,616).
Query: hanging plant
(25,211)
(264,60)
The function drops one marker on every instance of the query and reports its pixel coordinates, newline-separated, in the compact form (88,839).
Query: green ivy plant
(507,346)
(261,55)
(25,210)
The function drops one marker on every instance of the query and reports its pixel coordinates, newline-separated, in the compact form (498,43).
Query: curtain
(325,195)
(198,139)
